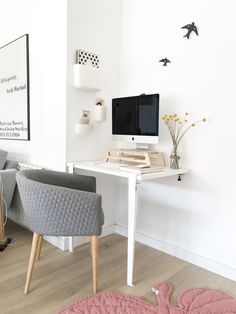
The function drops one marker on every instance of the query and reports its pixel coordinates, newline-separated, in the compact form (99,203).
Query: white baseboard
(206,263)
(60,242)
(106,230)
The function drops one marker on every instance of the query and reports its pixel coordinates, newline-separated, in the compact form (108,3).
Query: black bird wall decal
(165,61)
(191,28)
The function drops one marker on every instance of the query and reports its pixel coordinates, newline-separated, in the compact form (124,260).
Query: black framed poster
(14,90)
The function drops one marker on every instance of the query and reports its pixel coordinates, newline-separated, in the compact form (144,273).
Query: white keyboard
(111,165)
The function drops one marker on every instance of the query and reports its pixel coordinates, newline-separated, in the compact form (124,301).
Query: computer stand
(146,157)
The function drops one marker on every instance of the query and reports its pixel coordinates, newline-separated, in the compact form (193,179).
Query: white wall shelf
(83,129)
(86,77)
(100,113)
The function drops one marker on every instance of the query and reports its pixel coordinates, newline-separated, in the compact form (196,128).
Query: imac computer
(135,119)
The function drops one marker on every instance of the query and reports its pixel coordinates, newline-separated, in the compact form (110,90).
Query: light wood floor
(60,278)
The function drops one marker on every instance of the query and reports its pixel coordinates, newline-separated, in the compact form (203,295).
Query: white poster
(14,90)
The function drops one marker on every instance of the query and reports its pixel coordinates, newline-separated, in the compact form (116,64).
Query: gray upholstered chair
(60,204)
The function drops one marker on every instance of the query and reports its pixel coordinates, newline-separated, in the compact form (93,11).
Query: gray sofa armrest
(9,182)
(10,164)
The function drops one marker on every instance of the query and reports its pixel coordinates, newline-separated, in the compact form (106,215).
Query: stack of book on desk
(142,169)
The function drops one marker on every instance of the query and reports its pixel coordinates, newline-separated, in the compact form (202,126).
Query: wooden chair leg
(33,254)
(90,240)
(39,247)
(94,245)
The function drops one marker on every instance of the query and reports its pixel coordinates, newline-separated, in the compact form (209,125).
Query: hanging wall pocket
(86,71)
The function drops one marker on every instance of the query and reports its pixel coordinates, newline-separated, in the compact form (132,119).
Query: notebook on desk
(142,170)
(139,169)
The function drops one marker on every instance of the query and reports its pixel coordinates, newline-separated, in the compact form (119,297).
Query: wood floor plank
(61,278)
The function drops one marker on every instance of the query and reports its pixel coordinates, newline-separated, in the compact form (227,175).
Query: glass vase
(174,158)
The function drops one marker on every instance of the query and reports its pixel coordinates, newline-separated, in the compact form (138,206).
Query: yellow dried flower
(179,126)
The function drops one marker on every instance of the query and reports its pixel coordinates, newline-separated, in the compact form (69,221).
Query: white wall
(94,26)
(45,22)
(198,214)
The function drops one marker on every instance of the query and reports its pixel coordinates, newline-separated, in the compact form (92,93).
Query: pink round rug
(194,301)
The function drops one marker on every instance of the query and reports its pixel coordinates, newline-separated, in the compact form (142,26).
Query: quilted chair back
(60,204)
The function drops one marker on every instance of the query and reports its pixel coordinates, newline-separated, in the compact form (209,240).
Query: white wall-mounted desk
(133,180)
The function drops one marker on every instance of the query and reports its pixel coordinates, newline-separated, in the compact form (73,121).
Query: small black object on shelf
(165,61)
(191,28)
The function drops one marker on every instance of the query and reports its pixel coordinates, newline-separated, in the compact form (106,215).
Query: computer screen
(136,118)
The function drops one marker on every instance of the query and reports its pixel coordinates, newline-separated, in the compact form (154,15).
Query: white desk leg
(132,213)
(71,239)
(70,167)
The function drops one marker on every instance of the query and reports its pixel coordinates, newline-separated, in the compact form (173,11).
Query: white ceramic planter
(100,113)
(83,129)
(86,77)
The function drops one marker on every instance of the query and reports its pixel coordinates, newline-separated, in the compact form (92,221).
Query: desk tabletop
(99,167)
